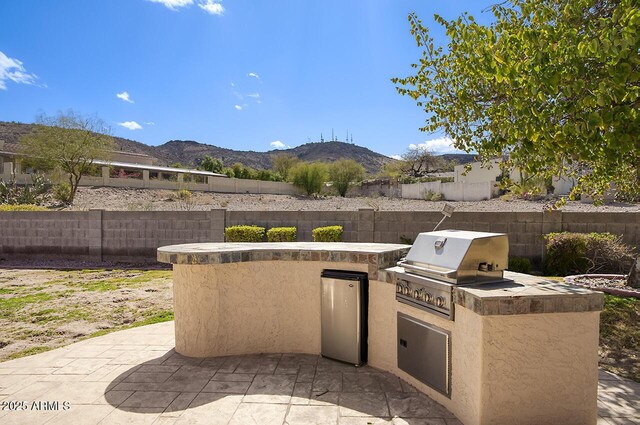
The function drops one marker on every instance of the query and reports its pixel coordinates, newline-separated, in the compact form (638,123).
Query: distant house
(135,170)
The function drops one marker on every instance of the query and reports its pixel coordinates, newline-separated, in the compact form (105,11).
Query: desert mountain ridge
(190,153)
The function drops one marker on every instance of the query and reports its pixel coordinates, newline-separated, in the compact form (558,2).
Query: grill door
(424,353)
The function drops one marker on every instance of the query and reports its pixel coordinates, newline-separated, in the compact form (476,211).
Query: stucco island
(524,352)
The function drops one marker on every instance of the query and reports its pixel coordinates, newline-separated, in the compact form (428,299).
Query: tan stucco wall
(529,369)
(543,367)
(255,307)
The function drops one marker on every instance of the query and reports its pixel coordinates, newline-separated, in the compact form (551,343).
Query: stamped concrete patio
(135,376)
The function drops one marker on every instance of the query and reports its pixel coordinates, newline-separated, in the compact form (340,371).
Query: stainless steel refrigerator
(345,298)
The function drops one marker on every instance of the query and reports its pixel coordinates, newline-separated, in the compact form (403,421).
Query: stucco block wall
(253,307)
(135,235)
(543,367)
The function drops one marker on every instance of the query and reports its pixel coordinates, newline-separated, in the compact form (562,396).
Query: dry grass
(45,309)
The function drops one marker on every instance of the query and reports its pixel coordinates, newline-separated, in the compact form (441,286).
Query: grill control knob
(440,302)
(398,288)
(428,297)
(416,294)
(406,290)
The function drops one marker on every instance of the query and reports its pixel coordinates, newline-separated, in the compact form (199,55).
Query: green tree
(553,84)
(282,164)
(309,176)
(213,165)
(343,173)
(67,143)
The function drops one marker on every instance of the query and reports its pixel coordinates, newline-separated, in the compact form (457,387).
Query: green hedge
(519,265)
(327,234)
(244,234)
(22,207)
(281,234)
(579,253)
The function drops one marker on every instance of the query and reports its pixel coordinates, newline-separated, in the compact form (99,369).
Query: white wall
(450,191)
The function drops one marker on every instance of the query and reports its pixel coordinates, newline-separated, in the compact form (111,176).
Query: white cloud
(173,4)
(277,144)
(437,146)
(396,157)
(238,107)
(254,75)
(124,96)
(131,125)
(12,69)
(212,7)
(150,123)
(254,95)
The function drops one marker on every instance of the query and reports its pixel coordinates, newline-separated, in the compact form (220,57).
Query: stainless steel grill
(439,261)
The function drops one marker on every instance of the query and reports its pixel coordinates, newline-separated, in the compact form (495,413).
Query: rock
(634,275)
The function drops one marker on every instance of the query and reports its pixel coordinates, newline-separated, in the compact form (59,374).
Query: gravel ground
(118,199)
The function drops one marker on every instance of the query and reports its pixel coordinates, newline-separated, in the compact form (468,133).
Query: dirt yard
(44,309)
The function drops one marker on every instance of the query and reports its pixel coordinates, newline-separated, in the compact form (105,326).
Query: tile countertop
(521,294)
(376,255)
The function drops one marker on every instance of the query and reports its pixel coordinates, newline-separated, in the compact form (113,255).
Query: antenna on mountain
(321,138)
(351,138)
(333,138)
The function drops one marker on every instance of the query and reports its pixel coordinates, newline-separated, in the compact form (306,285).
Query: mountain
(459,158)
(190,153)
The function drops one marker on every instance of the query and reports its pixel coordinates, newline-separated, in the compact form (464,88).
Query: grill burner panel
(425,293)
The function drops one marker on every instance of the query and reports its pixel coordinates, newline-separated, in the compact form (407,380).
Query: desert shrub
(281,234)
(22,207)
(62,192)
(185,199)
(343,173)
(430,195)
(519,265)
(578,253)
(327,234)
(244,234)
(310,177)
(34,193)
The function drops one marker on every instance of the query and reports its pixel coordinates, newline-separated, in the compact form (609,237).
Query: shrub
(22,207)
(430,195)
(185,199)
(281,234)
(34,193)
(62,192)
(343,173)
(327,234)
(578,253)
(244,234)
(310,177)
(519,265)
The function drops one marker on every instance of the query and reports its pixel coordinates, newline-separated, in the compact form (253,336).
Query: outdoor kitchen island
(520,352)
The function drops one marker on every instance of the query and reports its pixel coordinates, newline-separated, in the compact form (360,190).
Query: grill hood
(458,256)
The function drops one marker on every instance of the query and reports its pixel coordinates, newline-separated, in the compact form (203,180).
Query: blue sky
(241,74)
